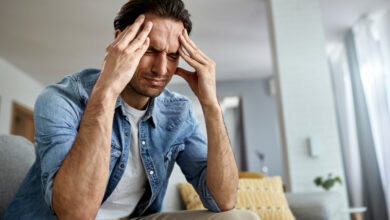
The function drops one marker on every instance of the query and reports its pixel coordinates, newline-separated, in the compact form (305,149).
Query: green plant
(328,183)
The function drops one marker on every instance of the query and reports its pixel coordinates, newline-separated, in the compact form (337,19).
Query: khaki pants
(201,215)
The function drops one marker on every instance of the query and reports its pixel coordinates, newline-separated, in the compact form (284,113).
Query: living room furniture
(355,211)
(17,155)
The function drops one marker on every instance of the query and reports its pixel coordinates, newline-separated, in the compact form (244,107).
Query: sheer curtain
(361,79)
(347,124)
(370,43)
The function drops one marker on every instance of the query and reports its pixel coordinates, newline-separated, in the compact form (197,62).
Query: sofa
(17,155)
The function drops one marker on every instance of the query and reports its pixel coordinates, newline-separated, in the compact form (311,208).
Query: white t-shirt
(131,187)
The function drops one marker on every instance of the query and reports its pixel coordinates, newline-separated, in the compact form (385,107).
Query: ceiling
(49,39)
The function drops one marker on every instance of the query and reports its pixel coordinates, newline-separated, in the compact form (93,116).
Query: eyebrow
(156,50)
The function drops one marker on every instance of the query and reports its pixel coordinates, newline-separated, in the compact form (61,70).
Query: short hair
(164,8)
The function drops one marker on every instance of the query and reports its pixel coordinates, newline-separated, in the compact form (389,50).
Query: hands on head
(125,52)
(202,80)
(123,55)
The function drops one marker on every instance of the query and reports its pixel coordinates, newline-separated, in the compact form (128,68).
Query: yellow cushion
(263,196)
(246,174)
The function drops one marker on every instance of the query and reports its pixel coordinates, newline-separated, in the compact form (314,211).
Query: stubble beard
(144,91)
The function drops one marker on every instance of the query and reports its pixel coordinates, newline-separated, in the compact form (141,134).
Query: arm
(222,173)
(80,182)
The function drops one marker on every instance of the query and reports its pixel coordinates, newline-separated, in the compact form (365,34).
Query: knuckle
(108,48)
(127,51)
(117,48)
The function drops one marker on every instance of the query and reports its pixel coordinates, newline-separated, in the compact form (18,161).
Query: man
(108,139)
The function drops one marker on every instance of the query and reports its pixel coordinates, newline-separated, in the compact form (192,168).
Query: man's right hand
(123,56)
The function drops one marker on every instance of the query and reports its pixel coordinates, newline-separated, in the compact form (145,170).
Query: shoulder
(71,85)
(67,94)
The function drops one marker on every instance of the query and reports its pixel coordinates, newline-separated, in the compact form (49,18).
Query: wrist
(212,108)
(104,95)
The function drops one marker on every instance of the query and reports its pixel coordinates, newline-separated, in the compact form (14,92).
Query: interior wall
(15,85)
(260,120)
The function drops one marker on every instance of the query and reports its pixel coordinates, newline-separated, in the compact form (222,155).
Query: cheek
(145,62)
(172,65)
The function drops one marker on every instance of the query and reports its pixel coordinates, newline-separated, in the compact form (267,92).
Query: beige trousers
(202,215)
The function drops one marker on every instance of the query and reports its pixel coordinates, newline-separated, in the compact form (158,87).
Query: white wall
(305,95)
(15,85)
(260,120)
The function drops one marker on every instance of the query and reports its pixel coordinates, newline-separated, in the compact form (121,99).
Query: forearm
(80,183)
(222,173)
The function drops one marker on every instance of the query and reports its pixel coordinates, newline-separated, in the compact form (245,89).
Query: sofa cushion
(262,196)
(315,205)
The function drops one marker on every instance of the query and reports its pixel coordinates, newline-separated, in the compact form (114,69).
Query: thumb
(185,74)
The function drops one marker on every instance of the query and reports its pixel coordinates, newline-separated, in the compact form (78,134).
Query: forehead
(165,33)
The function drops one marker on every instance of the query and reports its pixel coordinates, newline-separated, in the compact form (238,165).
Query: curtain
(370,87)
(369,43)
(347,125)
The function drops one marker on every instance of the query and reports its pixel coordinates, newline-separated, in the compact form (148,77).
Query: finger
(141,51)
(189,60)
(188,76)
(127,29)
(181,71)
(120,36)
(192,52)
(141,37)
(131,32)
(188,39)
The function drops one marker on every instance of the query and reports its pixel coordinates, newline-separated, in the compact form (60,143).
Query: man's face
(160,61)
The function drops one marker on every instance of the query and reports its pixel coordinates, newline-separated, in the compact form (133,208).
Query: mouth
(156,82)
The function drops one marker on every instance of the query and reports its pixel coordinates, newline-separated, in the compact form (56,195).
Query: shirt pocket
(171,155)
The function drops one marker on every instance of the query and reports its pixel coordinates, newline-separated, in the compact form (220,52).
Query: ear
(117,32)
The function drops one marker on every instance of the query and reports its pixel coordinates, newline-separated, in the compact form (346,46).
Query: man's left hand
(202,80)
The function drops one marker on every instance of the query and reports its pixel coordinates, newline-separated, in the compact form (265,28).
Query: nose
(160,65)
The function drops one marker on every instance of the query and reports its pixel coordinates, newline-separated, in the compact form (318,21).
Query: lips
(156,82)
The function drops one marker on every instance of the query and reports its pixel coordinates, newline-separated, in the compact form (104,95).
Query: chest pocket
(171,155)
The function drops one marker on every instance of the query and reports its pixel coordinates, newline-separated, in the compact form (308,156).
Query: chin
(150,92)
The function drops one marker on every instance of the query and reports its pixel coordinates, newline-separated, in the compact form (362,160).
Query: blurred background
(304,85)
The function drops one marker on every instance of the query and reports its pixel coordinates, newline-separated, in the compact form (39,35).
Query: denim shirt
(168,133)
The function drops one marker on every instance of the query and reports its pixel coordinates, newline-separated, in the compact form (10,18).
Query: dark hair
(164,8)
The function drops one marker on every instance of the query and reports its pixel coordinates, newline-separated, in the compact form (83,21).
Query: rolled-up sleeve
(193,163)
(56,122)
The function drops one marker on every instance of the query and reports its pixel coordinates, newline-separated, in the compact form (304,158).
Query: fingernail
(150,24)
(142,16)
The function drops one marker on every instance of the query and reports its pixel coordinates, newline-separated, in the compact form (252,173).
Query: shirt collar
(149,112)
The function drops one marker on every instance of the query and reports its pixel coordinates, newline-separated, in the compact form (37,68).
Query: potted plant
(327,183)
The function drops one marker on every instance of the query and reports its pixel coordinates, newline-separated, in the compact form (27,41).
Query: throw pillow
(263,196)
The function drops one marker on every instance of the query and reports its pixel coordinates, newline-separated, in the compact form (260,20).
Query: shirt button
(127,133)
(151,172)
(143,142)
(122,165)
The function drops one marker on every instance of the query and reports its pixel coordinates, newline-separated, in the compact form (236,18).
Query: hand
(202,81)
(123,56)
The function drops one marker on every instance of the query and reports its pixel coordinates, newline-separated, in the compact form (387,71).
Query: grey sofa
(17,155)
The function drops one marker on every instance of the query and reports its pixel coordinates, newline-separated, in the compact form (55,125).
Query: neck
(134,99)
